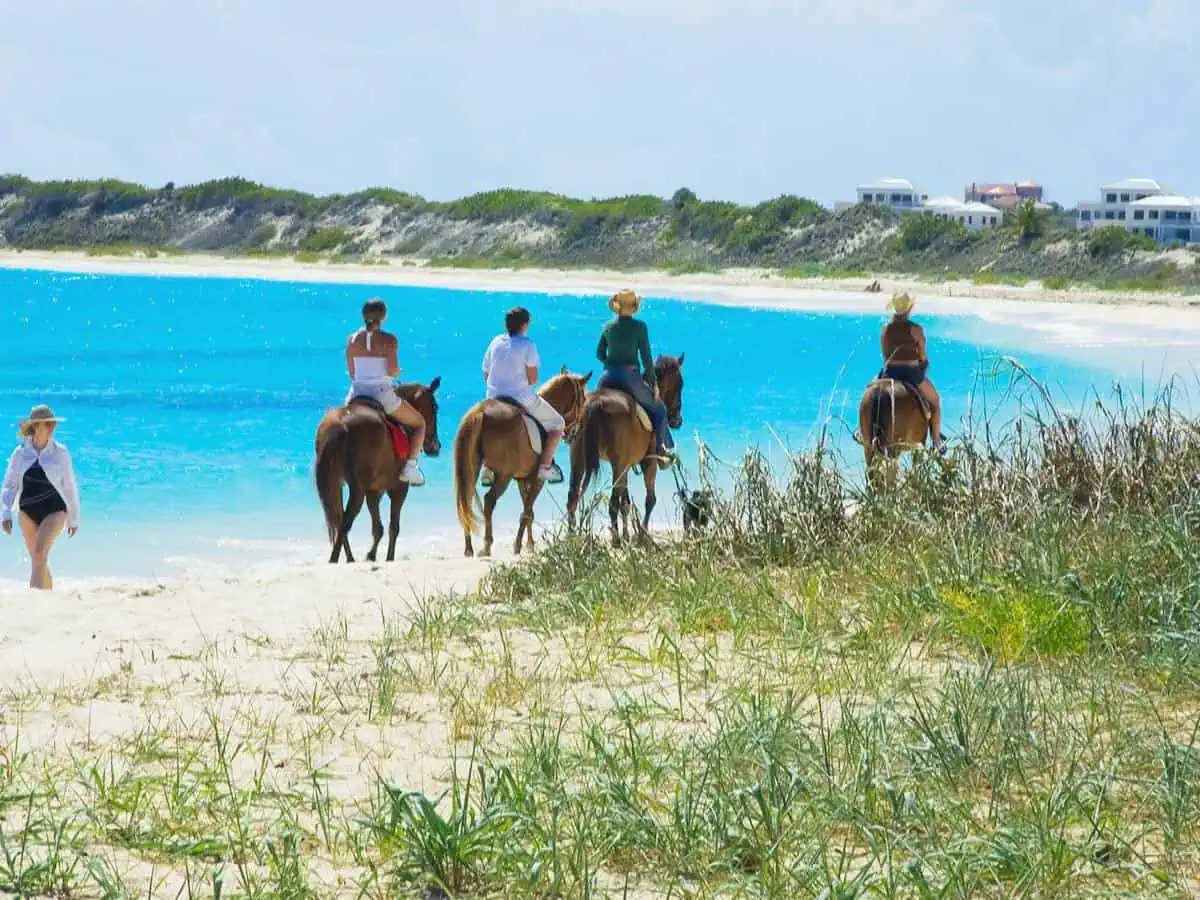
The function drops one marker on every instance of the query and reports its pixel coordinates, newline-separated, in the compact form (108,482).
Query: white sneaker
(551,473)
(486,477)
(412,473)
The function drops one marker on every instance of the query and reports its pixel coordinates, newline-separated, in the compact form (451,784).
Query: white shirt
(56,463)
(504,364)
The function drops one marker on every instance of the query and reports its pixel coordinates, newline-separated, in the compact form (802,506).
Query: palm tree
(1029,221)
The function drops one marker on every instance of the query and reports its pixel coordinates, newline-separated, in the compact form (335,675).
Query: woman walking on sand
(40,482)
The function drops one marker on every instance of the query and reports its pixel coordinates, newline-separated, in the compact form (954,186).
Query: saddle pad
(401,442)
(537,435)
(639,413)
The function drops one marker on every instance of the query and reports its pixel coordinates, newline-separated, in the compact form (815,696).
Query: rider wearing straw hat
(40,483)
(624,342)
(905,358)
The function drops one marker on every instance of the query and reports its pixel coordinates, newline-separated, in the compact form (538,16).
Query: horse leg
(373,498)
(530,488)
(649,476)
(396,498)
(490,499)
(353,504)
(614,508)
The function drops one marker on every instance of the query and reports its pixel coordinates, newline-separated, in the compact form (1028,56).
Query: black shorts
(909,374)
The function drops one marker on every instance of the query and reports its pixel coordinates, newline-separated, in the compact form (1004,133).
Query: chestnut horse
(610,430)
(891,420)
(494,433)
(354,448)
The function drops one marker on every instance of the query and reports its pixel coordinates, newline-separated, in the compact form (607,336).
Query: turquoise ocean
(192,402)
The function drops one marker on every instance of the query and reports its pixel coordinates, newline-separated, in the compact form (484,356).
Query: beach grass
(982,685)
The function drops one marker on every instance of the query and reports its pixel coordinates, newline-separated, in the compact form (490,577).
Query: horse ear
(681,355)
(586,378)
(564,370)
(435,384)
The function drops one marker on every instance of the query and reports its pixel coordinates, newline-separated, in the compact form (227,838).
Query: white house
(1145,206)
(898,193)
(970,215)
(901,195)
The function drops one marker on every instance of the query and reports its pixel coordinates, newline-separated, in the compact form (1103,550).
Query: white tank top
(371,370)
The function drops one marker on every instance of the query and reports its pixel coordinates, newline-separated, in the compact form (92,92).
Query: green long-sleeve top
(622,342)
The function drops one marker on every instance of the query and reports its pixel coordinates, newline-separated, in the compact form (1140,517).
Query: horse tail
(332,458)
(468,460)
(883,409)
(585,453)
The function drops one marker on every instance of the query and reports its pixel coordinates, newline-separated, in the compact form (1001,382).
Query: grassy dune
(984,686)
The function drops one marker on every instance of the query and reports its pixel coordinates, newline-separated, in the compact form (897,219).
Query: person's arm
(602,348)
(350,357)
(919,337)
(531,364)
(647,358)
(72,498)
(883,345)
(393,361)
(487,362)
(9,492)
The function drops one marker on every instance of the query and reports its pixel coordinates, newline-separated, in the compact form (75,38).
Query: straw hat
(624,303)
(902,304)
(37,416)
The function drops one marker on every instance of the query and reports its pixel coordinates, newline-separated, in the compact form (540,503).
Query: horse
(354,447)
(612,430)
(495,432)
(891,421)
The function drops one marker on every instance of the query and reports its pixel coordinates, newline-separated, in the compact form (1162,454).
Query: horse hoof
(469,554)
(485,553)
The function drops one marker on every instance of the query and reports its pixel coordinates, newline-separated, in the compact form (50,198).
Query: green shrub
(325,240)
(1056,283)
(1112,240)
(919,232)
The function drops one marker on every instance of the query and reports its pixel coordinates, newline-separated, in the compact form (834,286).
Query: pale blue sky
(737,99)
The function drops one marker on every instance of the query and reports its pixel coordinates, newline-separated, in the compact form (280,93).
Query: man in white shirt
(510,368)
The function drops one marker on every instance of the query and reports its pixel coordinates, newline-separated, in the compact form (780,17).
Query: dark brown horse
(494,433)
(611,429)
(891,420)
(355,448)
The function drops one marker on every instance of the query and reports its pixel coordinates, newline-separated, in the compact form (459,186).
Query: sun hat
(902,304)
(624,302)
(39,414)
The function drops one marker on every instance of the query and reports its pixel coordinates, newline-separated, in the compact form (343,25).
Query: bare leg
(353,505)
(489,506)
(376,523)
(38,541)
(396,498)
(935,406)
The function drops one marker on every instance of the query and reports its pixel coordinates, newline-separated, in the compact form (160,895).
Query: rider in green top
(624,341)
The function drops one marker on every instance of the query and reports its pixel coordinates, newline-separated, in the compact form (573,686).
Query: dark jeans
(631,382)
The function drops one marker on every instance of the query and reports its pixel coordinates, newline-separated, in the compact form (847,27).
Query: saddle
(537,434)
(625,399)
(401,439)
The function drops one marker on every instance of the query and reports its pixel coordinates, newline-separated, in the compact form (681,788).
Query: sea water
(191,403)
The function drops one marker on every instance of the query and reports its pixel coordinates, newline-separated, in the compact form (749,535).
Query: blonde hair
(902,304)
(624,300)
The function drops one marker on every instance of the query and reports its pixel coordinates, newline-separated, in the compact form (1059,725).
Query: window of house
(1124,198)
(1149,232)
(993,220)
(1109,214)
(1110,198)
(1085,215)
(1154,213)
(879,198)
(970,220)
(1185,217)
(1121,214)
(1182,234)
(1169,214)
(1139,214)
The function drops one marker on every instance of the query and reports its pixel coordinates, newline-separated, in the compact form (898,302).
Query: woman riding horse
(905,358)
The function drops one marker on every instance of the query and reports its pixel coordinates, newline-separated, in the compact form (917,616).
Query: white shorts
(545,414)
(385,394)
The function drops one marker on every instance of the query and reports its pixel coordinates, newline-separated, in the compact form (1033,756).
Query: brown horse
(611,430)
(494,432)
(354,448)
(891,420)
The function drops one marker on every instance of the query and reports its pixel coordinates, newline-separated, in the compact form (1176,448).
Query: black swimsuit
(39,498)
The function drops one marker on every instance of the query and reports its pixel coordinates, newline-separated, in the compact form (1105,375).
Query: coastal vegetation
(515,228)
(982,687)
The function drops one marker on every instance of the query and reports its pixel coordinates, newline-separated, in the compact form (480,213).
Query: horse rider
(371,361)
(623,342)
(905,358)
(510,368)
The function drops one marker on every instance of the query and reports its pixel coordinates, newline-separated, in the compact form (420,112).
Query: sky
(736,99)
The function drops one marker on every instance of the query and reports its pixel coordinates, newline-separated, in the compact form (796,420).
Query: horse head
(422,397)
(567,393)
(669,372)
